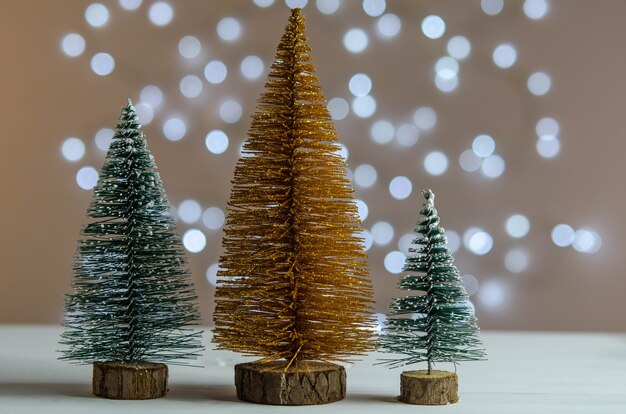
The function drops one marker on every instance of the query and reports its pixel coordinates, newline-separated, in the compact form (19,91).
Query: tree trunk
(311,383)
(127,381)
(436,388)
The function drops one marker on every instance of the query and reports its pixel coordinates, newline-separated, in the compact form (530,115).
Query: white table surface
(527,372)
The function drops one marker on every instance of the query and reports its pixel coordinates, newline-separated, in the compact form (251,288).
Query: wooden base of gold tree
(124,381)
(312,383)
(436,388)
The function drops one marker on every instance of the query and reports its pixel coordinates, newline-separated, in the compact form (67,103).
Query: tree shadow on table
(39,389)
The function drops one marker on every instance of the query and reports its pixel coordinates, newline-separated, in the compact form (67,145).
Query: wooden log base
(312,383)
(438,388)
(124,381)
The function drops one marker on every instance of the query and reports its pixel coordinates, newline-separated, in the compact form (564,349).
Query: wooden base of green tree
(312,383)
(436,388)
(124,381)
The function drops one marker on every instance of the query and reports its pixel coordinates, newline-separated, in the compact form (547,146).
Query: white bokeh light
(394,262)
(355,40)
(492,294)
(446,84)
(493,166)
(130,4)
(367,239)
(470,283)
(252,67)
(382,132)
(228,29)
(362,209)
(477,241)
(360,84)
(73,44)
(539,83)
(174,129)
(87,178)
(151,95)
(382,233)
(145,113)
(425,117)
(103,138)
(535,9)
(469,161)
(483,145)
(389,25)
(327,6)
(211,274)
(292,4)
(562,235)
(97,15)
(161,13)
(436,163)
(365,176)
(492,7)
(517,226)
(338,108)
(447,67)
(548,146)
(343,152)
(405,242)
(459,47)
(213,218)
(504,55)
(263,3)
(230,111)
(194,240)
(454,240)
(516,261)
(374,8)
(191,86)
(407,135)
(215,71)
(400,188)
(73,149)
(547,126)
(189,211)
(102,64)
(216,141)
(189,47)
(364,106)
(433,27)
(586,241)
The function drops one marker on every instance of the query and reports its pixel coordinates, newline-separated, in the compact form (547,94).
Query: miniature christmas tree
(437,326)
(295,286)
(132,296)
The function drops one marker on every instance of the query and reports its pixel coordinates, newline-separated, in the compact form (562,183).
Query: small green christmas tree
(439,325)
(132,296)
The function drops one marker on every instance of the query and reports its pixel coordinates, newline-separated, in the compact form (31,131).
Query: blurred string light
(338,108)
(97,15)
(492,7)
(73,149)
(292,4)
(103,138)
(477,241)
(252,67)
(425,117)
(194,240)
(216,141)
(483,145)
(145,113)
(374,8)
(492,294)
(73,44)
(365,176)
(405,242)
(382,233)
(400,188)
(189,211)
(382,132)
(516,261)
(355,40)
(87,177)
(189,47)
(211,274)
(389,25)
(436,163)
(469,161)
(470,283)
(161,13)
(459,47)
(539,83)
(360,84)
(174,129)
(215,71)
(535,9)
(327,6)
(394,262)
(504,55)
(191,86)
(151,95)
(493,166)
(433,27)
(130,4)
(407,135)
(213,218)
(228,29)
(562,235)
(362,209)
(230,111)
(368,241)
(263,3)
(548,144)
(364,106)
(102,64)
(517,226)
(583,240)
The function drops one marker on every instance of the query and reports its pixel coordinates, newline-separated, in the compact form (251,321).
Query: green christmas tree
(132,297)
(439,324)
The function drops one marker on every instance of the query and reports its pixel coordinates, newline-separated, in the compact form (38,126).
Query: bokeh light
(189,211)
(492,294)
(469,161)
(228,29)
(477,241)
(382,132)
(73,149)
(215,71)
(97,15)
(539,83)
(365,176)
(87,178)
(102,64)
(483,145)
(425,117)
(389,25)
(73,44)
(535,9)
(189,47)
(364,106)
(213,218)
(194,240)
(516,261)
(374,8)
(470,283)
(360,84)
(433,27)
(492,7)
(517,226)
(191,86)
(547,126)
(394,261)
(562,235)
(327,6)
(252,67)
(130,4)
(151,95)
(174,129)
(459,47)
(216,141)
(161,13)
(436,163)
(504,56)
(382,233)
(362,209)
(548,146)
(400,188)
(407,135)
(355,40)
(493,166)
(103,138)
(338,108)
(230,111)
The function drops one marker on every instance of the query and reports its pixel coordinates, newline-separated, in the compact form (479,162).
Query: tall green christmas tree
(438,325)
(132,296)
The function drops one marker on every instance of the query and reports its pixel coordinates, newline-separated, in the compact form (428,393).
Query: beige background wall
(46,97)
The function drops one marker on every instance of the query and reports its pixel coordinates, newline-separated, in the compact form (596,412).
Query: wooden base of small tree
(269,383)
(124,381)
(436,388)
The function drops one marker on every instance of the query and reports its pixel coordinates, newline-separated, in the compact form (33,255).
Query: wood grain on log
(312,383)
(436,388)
(123,381)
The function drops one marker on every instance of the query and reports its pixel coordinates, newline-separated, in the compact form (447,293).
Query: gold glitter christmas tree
(294,283)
